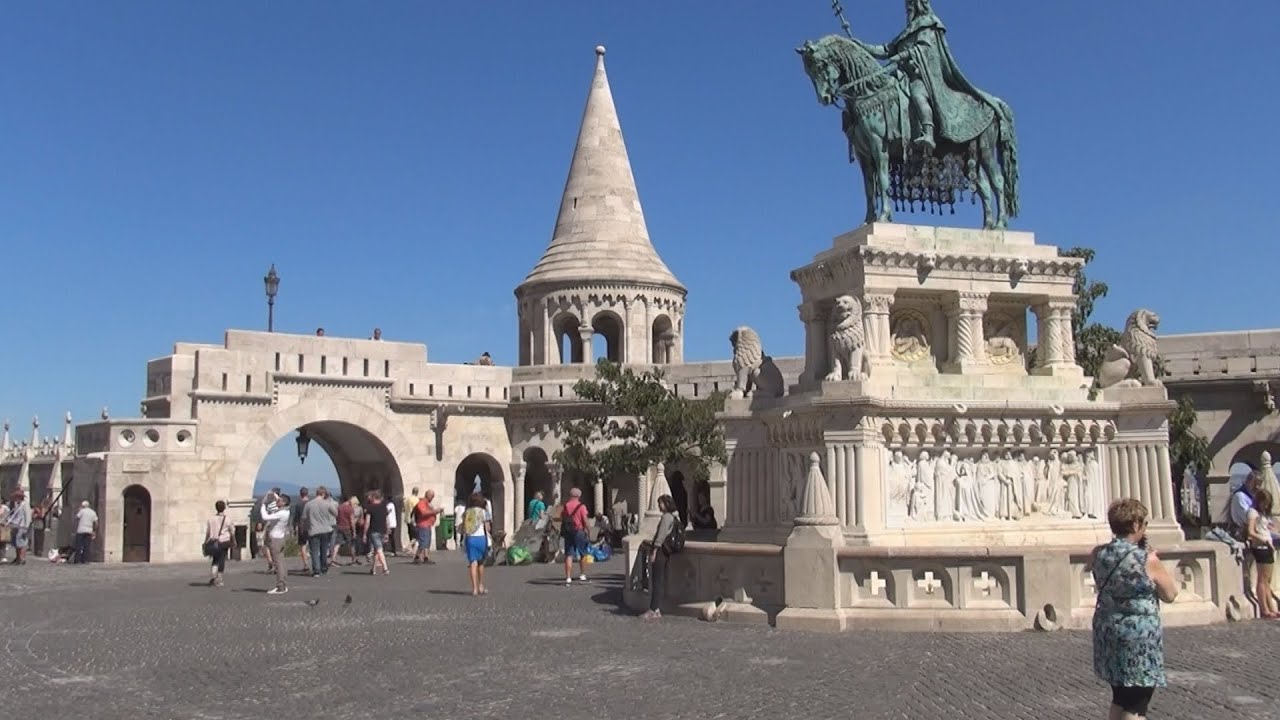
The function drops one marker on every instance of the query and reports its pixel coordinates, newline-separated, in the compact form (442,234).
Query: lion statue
(1132,361)
(754,373)
(846,344)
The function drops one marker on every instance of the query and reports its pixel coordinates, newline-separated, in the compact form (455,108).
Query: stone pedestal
(811,556)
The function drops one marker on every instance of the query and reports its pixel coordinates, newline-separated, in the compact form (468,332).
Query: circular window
(151,437)
(184,437)
(127,437)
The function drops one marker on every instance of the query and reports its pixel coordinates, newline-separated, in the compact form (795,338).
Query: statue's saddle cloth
(960,117)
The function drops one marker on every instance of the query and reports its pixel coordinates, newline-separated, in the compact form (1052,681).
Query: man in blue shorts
(573,528)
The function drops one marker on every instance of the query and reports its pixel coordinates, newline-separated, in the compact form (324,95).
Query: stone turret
(600,280)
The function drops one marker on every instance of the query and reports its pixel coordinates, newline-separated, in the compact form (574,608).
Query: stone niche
(923,473)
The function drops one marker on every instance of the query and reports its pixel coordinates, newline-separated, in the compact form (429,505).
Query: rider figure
(913,51)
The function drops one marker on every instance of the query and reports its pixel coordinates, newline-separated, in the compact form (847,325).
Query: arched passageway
(481,471)
(537,479)
(137,525)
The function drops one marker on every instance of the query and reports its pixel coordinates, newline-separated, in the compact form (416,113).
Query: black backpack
(675,541)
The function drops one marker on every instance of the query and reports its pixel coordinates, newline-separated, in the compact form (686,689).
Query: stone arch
(137,522)
(568,341)
(324,418)
(537,476)
(492,484)
(611,330)
(661,336)
(1251,454)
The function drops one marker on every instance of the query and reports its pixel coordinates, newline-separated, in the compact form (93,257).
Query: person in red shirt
(573,528)
(424,520)
(344,532)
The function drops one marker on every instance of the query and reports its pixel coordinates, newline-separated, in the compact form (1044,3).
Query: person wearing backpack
(573,528)
(667,540)
(476,526)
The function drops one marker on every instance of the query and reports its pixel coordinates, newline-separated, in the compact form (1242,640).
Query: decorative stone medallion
(910,331)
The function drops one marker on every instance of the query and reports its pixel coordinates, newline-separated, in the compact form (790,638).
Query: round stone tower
(600,288)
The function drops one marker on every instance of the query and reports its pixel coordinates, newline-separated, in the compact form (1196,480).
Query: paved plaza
(148,642)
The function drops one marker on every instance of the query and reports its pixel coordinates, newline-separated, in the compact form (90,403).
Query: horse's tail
(1009,156)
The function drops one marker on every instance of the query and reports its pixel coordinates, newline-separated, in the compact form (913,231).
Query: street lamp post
(272,281)
(304,442)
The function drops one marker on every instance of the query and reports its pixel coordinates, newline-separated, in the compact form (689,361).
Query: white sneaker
(277,591)
(568,581)
(582,578)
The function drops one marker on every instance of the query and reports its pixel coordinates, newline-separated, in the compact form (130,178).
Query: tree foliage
(1187,448)
(1092,339)
(640,422)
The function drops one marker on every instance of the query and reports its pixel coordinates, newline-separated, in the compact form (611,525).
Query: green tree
(1092,339)
(1187,448)
(638,423)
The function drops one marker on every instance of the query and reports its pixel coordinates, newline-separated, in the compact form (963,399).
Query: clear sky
(402,163)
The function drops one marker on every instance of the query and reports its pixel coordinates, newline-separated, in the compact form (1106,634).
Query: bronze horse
(877,124)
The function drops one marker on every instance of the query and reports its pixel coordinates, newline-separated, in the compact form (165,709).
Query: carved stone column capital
(877,302)
(972,302)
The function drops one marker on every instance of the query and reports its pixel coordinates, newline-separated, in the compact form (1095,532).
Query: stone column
(964,320)
(584,336)
(556,473)
(875,321)
(815,342)
(597,497)
(1055,342)
(518,470)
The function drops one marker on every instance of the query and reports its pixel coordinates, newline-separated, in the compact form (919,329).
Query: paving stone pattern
(148,642)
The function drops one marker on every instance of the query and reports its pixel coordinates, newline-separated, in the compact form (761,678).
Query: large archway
(484,469)
(367,449)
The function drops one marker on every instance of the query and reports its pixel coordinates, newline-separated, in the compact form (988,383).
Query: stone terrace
(144,642)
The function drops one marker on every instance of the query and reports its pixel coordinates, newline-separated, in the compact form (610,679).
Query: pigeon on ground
(347,601)
(313,603)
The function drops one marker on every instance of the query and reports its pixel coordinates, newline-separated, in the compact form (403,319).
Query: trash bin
(444,531)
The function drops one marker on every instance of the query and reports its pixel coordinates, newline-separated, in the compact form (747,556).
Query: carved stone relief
(909,331)
(1001,485)
(1002,332)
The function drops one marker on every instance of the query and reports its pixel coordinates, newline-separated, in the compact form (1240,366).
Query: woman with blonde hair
(1263,550)
(1128,637)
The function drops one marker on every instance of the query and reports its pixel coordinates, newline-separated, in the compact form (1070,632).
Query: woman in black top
(375,530)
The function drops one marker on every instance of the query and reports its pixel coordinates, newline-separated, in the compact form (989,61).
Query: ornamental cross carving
(985,584)
(875,584)
(929,584)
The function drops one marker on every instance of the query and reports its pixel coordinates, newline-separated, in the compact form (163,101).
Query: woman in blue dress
(1128,638)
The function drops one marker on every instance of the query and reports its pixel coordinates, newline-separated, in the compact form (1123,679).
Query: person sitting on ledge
(484,359)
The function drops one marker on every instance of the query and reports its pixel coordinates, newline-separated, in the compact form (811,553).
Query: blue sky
(402,163)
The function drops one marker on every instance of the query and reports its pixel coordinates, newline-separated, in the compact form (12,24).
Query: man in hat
(19,522)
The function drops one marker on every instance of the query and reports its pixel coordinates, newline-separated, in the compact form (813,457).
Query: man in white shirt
(276,516)
(86,531)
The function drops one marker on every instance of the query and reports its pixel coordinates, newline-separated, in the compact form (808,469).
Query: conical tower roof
(600,232)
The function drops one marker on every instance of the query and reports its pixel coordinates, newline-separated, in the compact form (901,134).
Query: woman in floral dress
(1128,638)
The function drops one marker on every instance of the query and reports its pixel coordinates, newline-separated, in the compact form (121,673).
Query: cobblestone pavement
(149,642)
